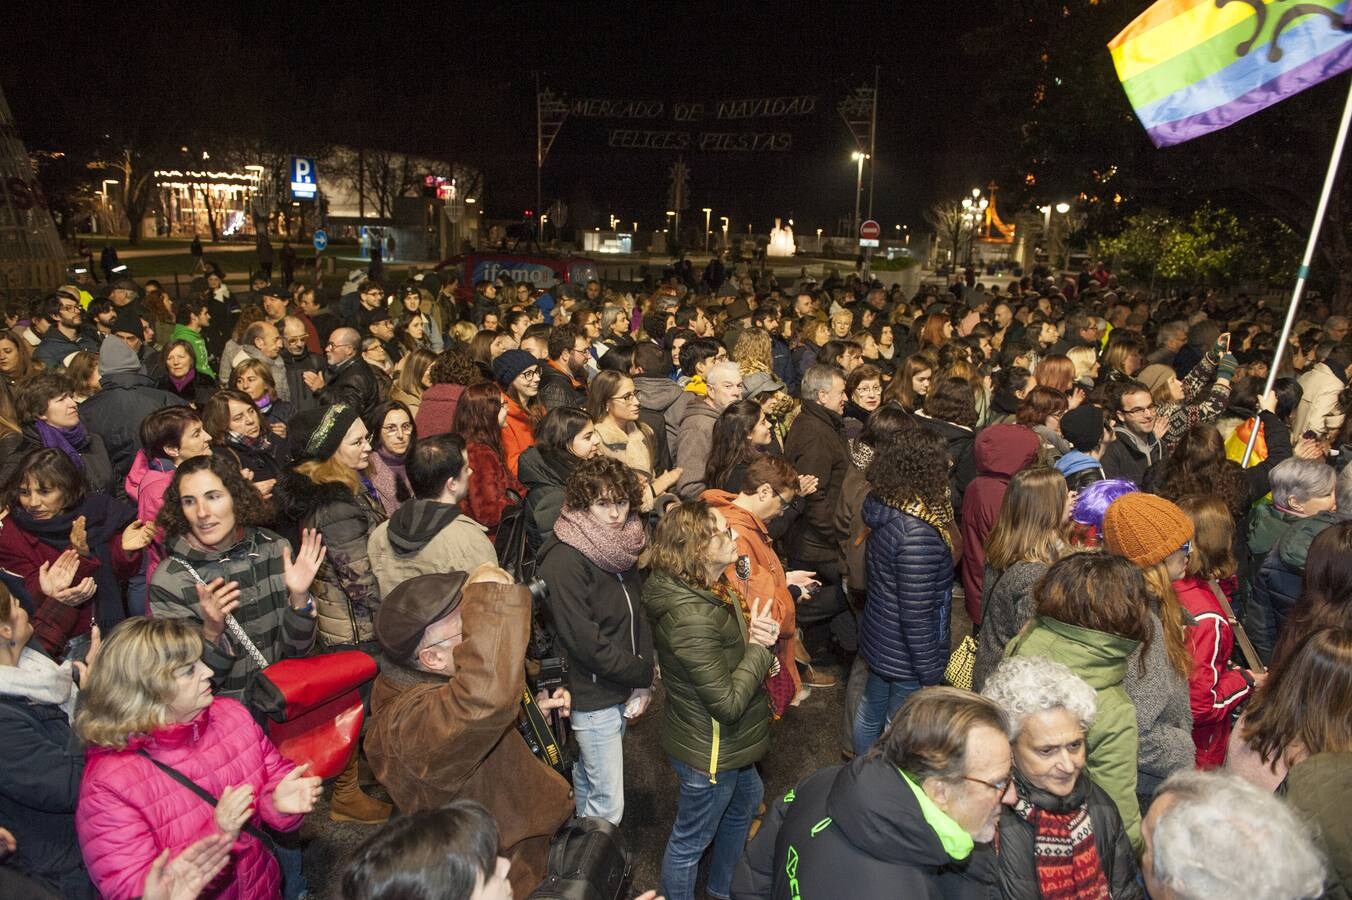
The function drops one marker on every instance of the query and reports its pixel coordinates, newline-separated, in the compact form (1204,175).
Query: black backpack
(587,861)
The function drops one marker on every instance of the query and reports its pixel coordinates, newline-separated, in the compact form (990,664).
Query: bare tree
(949,220)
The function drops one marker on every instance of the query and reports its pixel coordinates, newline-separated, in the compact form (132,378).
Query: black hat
(370,317)
(272,289)
(1083,427)
(406,611)
(128,321)
(317,433)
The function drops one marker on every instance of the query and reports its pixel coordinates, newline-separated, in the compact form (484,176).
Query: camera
(553,673)
(539,591)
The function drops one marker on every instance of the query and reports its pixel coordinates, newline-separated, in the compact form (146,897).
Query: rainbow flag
(1191,67)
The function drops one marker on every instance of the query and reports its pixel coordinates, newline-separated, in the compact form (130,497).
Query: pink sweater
(146,484)
(129,810)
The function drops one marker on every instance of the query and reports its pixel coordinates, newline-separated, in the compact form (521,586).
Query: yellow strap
(713,755)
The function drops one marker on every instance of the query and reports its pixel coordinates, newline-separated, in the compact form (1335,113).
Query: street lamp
(819,240)
(724,220)
(707,211)
(859,158)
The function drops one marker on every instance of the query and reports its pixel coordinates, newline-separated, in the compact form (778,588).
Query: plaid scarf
(1067,860)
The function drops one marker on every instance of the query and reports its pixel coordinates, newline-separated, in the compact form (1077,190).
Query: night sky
(447,82)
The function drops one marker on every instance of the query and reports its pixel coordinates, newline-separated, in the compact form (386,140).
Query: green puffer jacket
(1101,660)
(716,716)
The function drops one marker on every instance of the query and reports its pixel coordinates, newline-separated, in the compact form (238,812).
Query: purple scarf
(64,439)
(609,549)
(180,383)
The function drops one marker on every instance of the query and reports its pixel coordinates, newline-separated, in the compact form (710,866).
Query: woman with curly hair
(754,351)
(210,510)
(591,566)
(903,632)
(450,373)
(1199,465)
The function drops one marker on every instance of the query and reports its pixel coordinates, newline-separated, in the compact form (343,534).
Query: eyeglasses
(1140,410)
(625,398)
(296,338)
(532,374)
(1186,549)
(399,428)
(999,786)
(784,502)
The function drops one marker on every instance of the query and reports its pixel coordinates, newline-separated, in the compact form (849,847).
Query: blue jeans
(598,777)
(882,698)
(709,812)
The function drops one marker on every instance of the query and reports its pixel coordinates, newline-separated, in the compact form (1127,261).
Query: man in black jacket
(299,360)
(913,817)
(816,446)
(115,411)
(350,380)
(1138,443)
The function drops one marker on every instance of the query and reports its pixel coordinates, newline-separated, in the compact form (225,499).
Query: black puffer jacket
(354,383)
(862,830)
(346,591)
(599,620)
(1018,872)
(41,782)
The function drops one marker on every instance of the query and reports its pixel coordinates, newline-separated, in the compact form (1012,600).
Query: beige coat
(1318,410)
(462,546)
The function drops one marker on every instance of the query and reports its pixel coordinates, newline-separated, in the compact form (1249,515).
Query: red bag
(313,707)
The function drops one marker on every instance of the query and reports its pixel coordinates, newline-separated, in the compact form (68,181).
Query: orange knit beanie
(1145,529)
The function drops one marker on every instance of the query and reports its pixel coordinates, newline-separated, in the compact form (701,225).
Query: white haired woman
(1063,837)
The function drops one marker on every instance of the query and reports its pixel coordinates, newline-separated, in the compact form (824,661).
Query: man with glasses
(914,817)
(349,379)
(66,336)
(299,360)
(1139,429)
(769,488)
(563,379)
(724,388)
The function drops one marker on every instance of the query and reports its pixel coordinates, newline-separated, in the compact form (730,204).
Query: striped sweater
(255,561)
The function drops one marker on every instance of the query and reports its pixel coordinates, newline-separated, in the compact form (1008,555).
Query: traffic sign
(321,239)
(868,242)
(870,231)
(304,182)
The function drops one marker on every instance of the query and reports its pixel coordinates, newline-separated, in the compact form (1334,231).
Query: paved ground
(807,738)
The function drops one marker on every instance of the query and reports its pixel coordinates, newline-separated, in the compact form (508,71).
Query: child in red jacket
(1217,686)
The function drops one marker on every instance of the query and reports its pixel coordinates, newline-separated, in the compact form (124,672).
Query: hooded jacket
(864,829)
(999,452)
(658,408)
(1128,457)
(129,810)
(40,781)
(717,714)
(1101,660)
(697,439)
(54,347)
(544,473)
(1216,688)
(433,739)
(345,589)
(424,537)
(1279,581)
(1016,843)
(115,412)
(903,630)
(436,413)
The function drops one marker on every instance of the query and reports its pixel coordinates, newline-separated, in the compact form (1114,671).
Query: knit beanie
(511,364)
(317,433)
(1083,427)
(1145,529)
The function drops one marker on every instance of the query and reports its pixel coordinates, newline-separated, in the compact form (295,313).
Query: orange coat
(518,434)
(767,579)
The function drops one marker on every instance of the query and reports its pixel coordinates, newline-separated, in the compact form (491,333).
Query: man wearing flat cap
(444,710)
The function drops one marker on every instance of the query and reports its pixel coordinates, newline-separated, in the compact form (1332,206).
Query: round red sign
(870,230)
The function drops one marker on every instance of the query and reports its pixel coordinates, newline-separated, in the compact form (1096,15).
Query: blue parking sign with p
(304,182)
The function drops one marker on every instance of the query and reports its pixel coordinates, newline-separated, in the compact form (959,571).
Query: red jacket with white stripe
(1216,687)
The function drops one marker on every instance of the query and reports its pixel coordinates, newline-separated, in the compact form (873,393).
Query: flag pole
(1304,271)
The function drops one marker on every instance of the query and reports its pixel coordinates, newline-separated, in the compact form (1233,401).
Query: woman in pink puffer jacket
(148,700)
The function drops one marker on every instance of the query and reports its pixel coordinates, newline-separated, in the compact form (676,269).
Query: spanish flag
(1191,67)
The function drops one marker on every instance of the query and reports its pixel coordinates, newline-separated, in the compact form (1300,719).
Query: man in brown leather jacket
(444,710)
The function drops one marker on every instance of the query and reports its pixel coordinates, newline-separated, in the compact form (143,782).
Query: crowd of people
(709,496)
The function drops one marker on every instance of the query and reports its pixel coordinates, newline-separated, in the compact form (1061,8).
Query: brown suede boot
(350,804)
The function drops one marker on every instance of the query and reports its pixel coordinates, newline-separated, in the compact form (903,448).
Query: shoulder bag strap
(231,623)
(1245,645)
(207,798)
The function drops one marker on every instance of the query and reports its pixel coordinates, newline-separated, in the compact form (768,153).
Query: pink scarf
(613,550)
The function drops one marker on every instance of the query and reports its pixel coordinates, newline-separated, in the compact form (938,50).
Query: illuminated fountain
(781,241)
